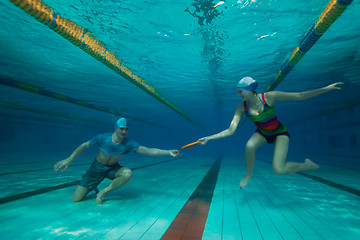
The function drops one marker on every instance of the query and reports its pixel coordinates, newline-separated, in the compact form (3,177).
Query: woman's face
(244,94)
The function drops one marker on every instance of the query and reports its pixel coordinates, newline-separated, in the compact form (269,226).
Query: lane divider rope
(83,39)
(332,11)
(43,92)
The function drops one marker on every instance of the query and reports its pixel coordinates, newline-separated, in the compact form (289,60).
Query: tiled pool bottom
(169,199)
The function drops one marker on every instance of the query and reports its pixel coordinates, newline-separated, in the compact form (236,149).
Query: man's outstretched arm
(157,152)
(66,162)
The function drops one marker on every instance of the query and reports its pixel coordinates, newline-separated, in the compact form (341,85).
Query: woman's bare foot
(244,181)
(310,165)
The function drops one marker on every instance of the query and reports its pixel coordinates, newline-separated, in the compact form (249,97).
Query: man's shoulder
(128,141)
(101,136)
(104,134)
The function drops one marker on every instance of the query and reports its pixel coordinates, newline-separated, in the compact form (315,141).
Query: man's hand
(174,153)
(61,164)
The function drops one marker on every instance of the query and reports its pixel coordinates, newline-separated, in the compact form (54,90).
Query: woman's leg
(280,166)
(256,141)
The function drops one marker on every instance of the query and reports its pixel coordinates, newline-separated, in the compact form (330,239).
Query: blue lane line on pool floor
(332,184)
(37,170)
(327,182)
(64,185)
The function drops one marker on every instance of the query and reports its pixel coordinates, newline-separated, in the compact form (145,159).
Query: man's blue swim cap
(247,83)
(121,123)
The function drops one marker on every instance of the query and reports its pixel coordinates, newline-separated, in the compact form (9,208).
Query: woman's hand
(203,140)
(334,86)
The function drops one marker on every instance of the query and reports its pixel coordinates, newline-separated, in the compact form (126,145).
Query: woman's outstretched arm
(272,97)
(232,128)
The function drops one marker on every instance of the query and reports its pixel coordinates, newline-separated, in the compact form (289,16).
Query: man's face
(121,132)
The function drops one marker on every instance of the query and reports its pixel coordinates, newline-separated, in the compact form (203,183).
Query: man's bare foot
(244,181)
(99,197)
(310,165)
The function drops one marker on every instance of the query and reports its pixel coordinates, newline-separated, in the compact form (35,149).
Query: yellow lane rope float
(82,38)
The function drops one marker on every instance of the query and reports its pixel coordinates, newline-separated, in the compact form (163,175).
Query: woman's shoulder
(268,97)
(241,107)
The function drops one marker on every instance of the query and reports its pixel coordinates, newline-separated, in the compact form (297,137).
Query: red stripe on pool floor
(190,222)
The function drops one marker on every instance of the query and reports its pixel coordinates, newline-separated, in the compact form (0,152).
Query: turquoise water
(193,66)
(192,62)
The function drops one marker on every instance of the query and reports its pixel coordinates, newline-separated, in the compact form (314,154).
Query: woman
(259,108)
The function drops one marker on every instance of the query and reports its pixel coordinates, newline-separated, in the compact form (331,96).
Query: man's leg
(256,141)
(280,166)
(122,176)
(90,180)
(80,193)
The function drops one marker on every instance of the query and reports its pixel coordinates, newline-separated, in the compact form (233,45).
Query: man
(112,146)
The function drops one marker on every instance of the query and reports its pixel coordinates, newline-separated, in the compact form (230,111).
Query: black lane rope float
(43,92)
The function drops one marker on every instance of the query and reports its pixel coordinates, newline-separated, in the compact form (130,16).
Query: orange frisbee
(190,144)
